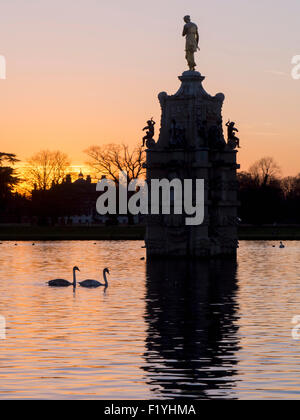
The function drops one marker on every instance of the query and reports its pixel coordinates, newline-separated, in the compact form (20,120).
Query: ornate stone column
(191,145)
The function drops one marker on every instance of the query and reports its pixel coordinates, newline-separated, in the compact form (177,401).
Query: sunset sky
(84,72)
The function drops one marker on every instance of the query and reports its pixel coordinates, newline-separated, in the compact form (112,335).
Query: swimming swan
(93,284)
(64,283)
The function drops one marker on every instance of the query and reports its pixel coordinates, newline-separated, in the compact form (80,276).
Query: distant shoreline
(129,233)
(71,233)
(270,233)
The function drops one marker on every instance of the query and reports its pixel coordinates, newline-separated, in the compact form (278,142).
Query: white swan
(93,284)
(64,283)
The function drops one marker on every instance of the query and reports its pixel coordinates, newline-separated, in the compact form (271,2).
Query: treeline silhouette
(47,191)
(265,196)
(11,202)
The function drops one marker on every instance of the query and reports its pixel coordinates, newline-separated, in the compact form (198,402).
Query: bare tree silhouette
(264,170)
(109,159)
(46,168)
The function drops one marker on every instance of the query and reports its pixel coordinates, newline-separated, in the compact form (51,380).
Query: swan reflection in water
(192,333)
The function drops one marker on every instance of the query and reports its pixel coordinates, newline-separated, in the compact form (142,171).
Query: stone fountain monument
(191,145)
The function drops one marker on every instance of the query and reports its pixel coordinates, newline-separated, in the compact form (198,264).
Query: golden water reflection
(162,330)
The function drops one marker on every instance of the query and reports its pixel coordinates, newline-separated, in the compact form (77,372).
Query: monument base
(191,145)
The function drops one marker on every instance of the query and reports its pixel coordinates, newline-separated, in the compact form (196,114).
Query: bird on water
(64,283)
(94,284)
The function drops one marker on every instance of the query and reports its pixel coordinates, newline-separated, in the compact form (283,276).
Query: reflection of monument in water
(191,335)
(191,145)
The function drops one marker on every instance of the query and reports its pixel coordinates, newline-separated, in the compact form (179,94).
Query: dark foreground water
(165,330)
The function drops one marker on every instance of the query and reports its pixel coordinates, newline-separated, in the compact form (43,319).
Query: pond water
(161,330)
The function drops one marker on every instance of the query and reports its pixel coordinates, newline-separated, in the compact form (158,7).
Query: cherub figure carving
(233,141)
(148,138)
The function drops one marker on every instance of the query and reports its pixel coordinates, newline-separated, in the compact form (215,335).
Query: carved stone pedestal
(191,145)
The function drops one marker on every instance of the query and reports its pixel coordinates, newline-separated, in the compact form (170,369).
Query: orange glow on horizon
(68,88)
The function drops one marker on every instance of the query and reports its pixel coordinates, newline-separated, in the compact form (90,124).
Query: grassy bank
(39,233)
(281,233)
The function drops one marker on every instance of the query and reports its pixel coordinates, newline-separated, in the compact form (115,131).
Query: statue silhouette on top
(190,31)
